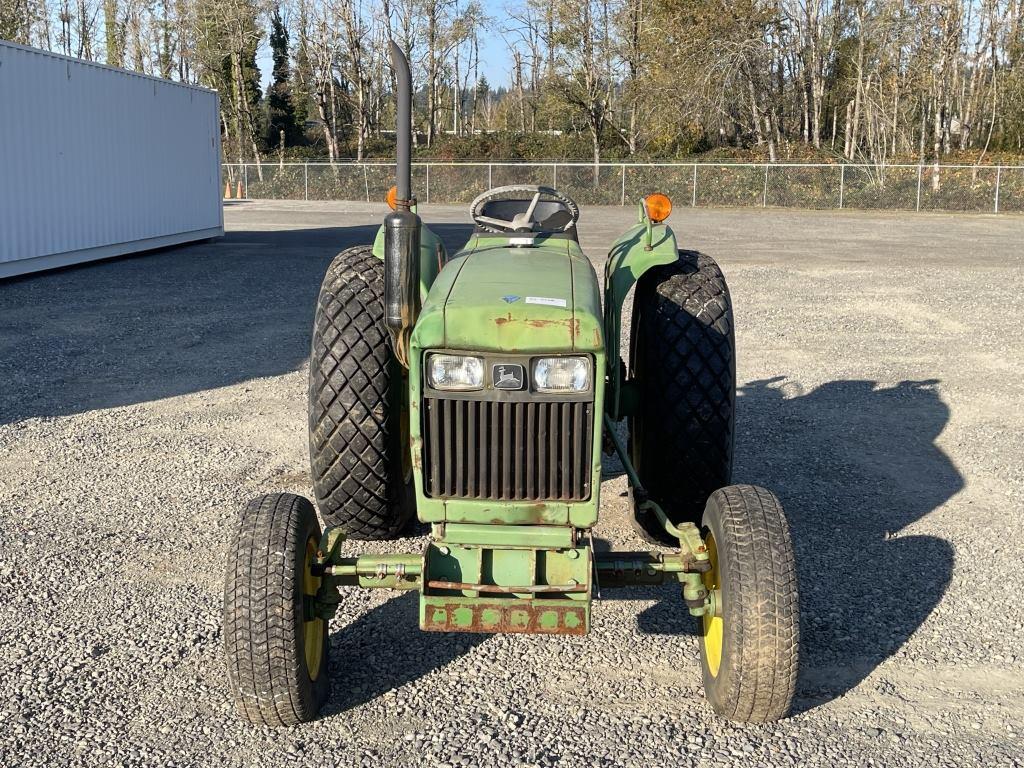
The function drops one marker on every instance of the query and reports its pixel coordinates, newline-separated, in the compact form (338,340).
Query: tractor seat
(550,213)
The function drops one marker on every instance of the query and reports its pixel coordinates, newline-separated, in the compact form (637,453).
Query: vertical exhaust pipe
(403,126)
(402,226)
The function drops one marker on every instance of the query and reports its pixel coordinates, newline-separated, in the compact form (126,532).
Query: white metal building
(98,162)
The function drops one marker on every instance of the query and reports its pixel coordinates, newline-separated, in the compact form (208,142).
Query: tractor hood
(543,298)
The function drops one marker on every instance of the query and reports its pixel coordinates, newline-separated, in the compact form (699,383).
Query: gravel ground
(145,400)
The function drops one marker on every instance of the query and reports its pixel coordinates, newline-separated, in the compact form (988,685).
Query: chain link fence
(992,189)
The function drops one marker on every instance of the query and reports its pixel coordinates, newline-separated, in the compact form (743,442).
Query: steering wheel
(525,221)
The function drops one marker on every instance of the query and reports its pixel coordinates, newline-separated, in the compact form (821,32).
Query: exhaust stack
(402,226)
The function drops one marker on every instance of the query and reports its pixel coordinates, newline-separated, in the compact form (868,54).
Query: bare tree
(582,62)
(861,79)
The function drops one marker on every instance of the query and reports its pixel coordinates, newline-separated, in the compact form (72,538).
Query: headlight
(562,374)
(455,372)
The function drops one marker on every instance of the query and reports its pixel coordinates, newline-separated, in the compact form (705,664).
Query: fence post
(764,195)
(918,186)
(554,175)
(490,183)
(245,176)
(366,182)
(305,179)
(623,203)
(999,173)
(842,183)
(428,183)
(693,200)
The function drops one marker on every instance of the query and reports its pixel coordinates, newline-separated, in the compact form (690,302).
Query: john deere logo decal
(507,376)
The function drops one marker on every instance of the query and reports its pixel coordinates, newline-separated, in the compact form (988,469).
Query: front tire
(749,651)
(276,655)
(359,454)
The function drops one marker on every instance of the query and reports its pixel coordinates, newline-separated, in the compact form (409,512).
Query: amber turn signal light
(658,207)
(391,198)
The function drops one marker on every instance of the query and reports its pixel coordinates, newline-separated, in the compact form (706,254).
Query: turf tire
(756,677)
(683,357)
(355,404)
(264,626)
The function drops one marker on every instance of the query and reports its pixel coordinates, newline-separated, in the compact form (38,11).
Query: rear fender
(629,258)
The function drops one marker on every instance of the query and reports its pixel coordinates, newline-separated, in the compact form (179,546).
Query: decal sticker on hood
(548,302)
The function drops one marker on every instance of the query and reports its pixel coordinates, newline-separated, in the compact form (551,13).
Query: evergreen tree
(280,108)
(254,96)
(302,75)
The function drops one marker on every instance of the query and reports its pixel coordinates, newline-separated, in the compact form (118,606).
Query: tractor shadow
(167,322)
(854,463)
(384,649)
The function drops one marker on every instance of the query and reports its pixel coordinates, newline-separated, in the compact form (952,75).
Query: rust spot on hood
(571,324)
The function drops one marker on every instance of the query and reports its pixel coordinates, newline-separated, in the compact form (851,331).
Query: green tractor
(478,392)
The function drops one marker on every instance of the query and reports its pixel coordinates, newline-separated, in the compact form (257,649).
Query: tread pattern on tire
(263,614)
(355,403)
(683,335)
(760,661)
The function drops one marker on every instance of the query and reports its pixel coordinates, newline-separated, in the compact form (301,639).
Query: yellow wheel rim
(714,626)
(312,631)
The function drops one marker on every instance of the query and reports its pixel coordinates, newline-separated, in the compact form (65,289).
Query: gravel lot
(143,401)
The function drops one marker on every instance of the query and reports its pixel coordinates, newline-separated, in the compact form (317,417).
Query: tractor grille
(507,451)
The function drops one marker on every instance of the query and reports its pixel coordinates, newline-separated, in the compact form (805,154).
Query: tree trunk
(236,91)
(854,127)
(848,130)
(334,108)
(246,116)
(322,111)
(632,127)
(432,63)
(763,128)
(937,138)
(520,96)
(114,36)
(895,117)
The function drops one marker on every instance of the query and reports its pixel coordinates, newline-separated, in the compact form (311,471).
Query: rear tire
(277,660)
(362,476)
(683,358)
(749,651)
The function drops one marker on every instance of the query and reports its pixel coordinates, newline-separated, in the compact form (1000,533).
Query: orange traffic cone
(227,190)
(238,194)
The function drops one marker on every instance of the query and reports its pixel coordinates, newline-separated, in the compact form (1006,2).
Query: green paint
(628,259)
(519,566)
(476,314)
(539,536)
(432,255)
(465,311)
(510,567)
(526,571)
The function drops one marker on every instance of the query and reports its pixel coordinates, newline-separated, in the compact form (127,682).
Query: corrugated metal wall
(97,162)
